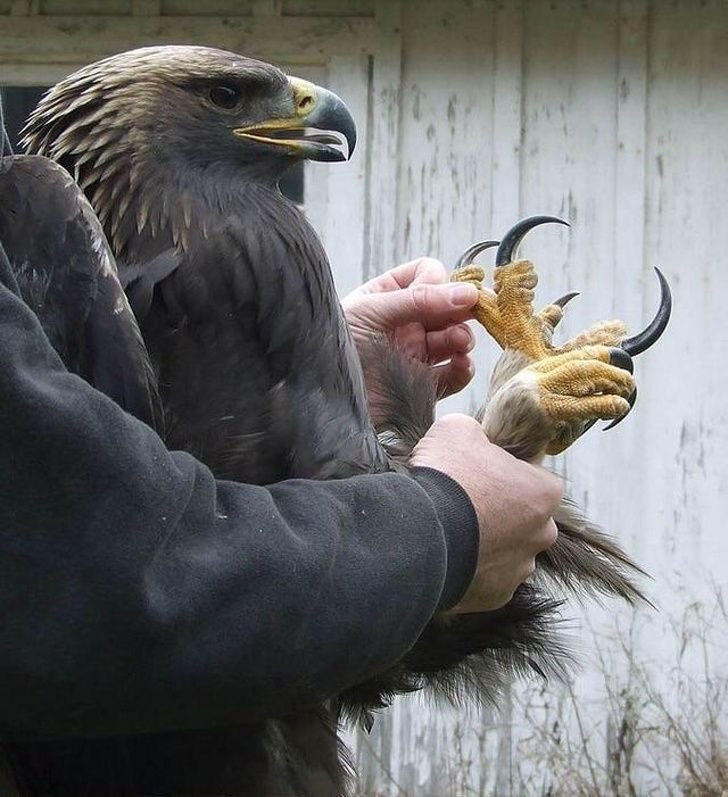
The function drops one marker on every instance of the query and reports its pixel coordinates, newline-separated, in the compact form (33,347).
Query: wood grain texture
(613,115)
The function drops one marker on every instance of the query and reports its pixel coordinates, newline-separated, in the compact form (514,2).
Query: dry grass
(644,736)
(660,736)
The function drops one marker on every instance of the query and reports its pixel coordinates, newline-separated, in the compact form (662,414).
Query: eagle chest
(256,368)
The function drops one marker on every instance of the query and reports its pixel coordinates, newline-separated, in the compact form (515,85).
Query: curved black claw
(643,340)
(621,359)
(515,235)
(466,258)
(632,398)
(562,301)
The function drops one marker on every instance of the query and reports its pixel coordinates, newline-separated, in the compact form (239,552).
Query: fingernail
(463,294)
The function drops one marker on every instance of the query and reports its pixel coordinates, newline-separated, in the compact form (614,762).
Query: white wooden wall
(472,114)
(615,116)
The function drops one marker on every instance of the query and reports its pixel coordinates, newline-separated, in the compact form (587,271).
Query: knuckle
(422,296)
(556,488)
(551,534)
(434,268)
(458,419)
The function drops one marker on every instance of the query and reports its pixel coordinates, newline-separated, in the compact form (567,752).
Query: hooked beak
(320,129)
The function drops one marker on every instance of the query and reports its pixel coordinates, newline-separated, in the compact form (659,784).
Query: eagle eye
(224,96)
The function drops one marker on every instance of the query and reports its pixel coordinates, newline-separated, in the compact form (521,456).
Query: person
(140,594)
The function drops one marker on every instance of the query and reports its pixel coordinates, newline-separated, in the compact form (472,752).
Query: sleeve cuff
(459,522)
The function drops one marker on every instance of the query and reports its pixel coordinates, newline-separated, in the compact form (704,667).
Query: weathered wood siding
(613,114)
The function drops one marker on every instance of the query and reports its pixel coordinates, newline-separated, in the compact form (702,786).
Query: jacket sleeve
(137,593)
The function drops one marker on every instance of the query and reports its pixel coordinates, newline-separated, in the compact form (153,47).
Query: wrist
(459,522)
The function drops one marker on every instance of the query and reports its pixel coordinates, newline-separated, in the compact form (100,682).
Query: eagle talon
(470,273)
(631,401)
(621,359)
(516,234)
(551,315)
(507,311)
(467,257)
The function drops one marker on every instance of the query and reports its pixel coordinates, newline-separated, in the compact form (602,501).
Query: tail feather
(588,561)
(473,656)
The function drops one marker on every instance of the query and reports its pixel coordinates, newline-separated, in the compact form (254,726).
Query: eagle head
(186,120)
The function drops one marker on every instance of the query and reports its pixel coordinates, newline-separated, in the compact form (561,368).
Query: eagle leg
(559,389)
(543,397)
(506,311)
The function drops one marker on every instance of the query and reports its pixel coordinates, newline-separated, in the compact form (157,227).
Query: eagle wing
(67,274)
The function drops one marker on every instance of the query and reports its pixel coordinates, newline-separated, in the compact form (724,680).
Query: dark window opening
(19,101)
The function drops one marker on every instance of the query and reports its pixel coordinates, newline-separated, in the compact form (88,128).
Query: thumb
(433,306)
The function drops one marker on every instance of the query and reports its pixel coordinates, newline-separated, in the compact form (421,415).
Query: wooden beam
(146,8)
(266,8)
(24,8)
(381,245)
(77,39)
(507,136)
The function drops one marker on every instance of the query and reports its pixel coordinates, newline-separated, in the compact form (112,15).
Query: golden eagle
(251,368)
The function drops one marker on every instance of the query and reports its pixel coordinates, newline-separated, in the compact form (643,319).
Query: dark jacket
(139,594)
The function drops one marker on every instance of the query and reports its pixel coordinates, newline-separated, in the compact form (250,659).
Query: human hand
(423,314)
(513,501)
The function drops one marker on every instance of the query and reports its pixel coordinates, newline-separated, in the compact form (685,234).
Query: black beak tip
(338,117)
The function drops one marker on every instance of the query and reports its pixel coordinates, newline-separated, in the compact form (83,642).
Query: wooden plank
(84,39)
(344,234)
(447,135)
(324,8)
(686,425)
(146,8)
(36,74)
(207,8)
(24,8)
(507,132)
(382,244)
(82,8)
(627,270)
(267,8)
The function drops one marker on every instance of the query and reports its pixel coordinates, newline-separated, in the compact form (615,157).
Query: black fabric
(137,593)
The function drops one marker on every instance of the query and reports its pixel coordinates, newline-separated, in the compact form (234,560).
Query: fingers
(444,343)
(423,270)
(432,306)
(455,375)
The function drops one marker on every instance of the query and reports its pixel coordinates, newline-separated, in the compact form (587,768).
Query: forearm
(140,594)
